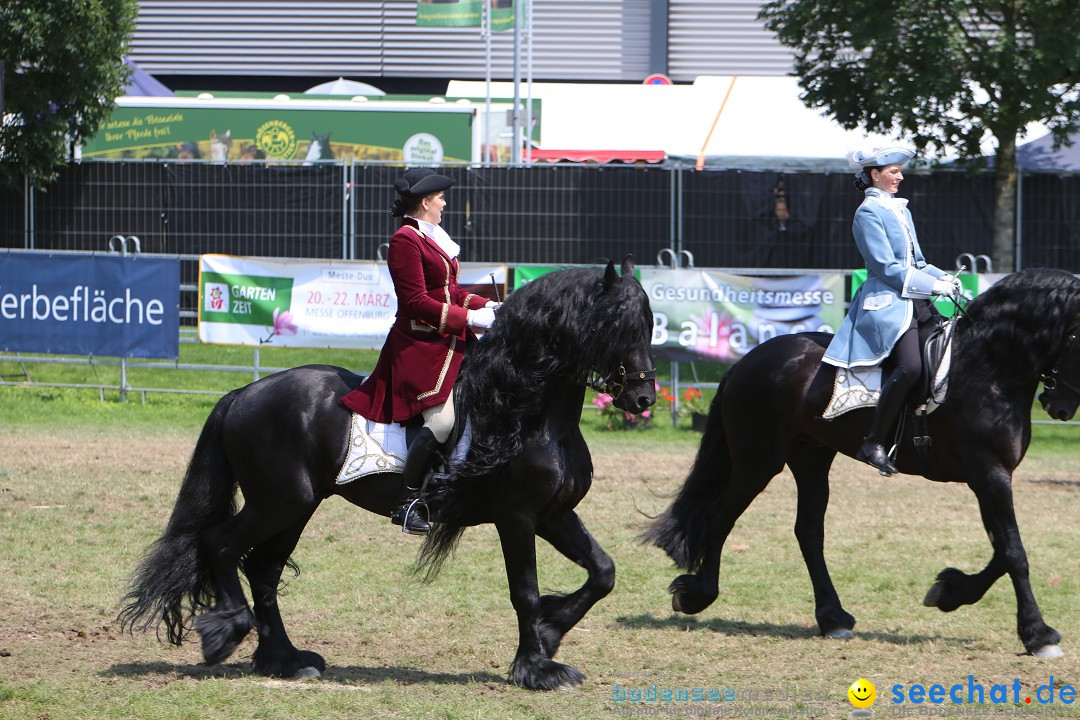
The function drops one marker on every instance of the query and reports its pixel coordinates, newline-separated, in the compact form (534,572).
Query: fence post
(1019,219)
(121,246)
(28,214)
(674,394)
(346,201)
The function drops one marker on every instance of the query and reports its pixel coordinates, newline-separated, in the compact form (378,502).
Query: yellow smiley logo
(862,693)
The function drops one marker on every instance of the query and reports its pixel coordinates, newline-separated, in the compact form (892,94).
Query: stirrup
(886,469)
(401,517)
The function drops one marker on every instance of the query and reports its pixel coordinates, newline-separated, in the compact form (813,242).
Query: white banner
(304,303)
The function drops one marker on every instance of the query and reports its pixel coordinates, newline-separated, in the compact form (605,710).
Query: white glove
(493,305)
(949,277)
(482,318)
(943,287)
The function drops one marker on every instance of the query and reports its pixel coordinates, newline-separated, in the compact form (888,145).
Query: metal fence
(757,221)
(551,214)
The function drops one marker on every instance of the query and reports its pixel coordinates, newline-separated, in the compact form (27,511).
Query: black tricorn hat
(419,182)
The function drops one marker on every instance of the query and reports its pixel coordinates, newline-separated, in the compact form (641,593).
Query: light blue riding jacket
(896,273)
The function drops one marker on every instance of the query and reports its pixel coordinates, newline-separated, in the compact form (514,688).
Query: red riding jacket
(422,354)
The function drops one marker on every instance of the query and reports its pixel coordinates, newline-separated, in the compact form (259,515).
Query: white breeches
(440,419)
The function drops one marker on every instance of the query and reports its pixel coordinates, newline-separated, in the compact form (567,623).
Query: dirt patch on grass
(77,512)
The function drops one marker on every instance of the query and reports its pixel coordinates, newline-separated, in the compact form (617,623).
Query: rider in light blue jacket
(881,326)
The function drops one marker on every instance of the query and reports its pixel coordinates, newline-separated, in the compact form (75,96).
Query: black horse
(767,412)
(282,439)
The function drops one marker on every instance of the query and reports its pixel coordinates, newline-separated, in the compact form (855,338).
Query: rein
(615,383)
(1052,380)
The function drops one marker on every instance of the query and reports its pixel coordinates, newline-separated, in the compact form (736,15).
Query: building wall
(599,40)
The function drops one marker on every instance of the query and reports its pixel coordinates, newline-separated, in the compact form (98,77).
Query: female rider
(419,362)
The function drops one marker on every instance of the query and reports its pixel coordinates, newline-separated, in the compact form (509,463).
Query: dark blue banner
(90,305)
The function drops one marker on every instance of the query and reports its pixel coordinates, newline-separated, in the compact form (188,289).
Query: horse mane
(549,336)
(1024,315)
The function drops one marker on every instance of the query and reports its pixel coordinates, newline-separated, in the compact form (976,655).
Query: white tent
(341,86)
(763,121)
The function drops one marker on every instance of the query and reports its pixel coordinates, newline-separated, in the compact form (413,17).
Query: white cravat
(888,200)
(439,236)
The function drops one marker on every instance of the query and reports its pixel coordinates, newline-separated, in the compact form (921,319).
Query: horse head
(630,377)
(1061,383)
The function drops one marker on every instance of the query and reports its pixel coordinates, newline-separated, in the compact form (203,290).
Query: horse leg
(559,613)
(692,593)
(810,466)
(999,519)
(532,667)
(953,588)
(223,626)
(275,655)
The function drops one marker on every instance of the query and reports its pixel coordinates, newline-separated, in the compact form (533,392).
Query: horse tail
(682,530)
(438,547)
(457,502)
(175,568)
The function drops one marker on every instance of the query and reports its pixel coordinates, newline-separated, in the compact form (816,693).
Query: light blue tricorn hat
(879,157)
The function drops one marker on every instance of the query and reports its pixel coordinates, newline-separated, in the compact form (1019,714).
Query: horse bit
(1051,379)
(615,383)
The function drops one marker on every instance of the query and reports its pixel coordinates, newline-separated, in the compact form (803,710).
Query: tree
(945,72)
(63,68)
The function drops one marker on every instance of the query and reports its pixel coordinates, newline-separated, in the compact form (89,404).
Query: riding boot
(417,463)
(890,405)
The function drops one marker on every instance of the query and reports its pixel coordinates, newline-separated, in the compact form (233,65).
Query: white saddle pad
(381,448)
(373,448)
(861,387)
(854,388)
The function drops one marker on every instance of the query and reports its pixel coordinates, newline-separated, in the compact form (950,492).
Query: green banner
(526,274)
(243,299)
(464,13)
(944,305)
(261,131)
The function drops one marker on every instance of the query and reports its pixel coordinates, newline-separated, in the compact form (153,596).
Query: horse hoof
(933,595)
(545,674)
(221,631)
(840,634)
(307,673)
(1048,652)
(688,597)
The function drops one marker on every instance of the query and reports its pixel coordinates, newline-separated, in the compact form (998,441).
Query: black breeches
(904,364)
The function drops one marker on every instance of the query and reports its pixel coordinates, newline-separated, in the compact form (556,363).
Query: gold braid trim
(446,305)
(442,374)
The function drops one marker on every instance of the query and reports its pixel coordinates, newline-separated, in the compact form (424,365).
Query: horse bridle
(1051,379)
(615,382)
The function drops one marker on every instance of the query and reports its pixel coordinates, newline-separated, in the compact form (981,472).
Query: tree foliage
(63,67)
(947,73)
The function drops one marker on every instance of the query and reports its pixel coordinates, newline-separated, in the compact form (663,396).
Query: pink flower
(283,324)
(602,400)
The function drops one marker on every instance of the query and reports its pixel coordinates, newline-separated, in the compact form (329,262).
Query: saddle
(934,388)
(861,387)
(934,384)
(381,448)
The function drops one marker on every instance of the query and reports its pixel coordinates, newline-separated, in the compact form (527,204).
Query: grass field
(85,486)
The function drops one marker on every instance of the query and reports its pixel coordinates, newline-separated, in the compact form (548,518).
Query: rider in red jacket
(420,359)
